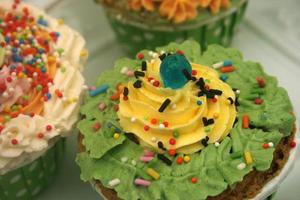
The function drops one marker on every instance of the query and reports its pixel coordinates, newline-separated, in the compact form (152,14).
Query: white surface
(270,35)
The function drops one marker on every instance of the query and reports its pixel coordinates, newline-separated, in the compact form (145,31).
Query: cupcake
(140,24)
(180,124)
(40,92)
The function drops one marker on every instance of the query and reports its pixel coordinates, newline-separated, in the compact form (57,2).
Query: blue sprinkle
(14,50)
(116,129)
(99,90)
(42,22)
(224,77)
(227,63)
(199,103)
(44,69)
(17,58)
(41,51)
(7,39)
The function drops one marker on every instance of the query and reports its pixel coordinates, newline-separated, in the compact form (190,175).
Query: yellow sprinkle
(116,136)
(151,172)
(84,53)
(186,159)
(248,157)
(20,75)
(61,21)
(216,115)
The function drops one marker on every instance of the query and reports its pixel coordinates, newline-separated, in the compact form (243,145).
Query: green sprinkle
(176,134)
(237,154)
(60,51)
(63,70)
(207,129)
(14,108)
(7,118)
(26,97)
(39,87)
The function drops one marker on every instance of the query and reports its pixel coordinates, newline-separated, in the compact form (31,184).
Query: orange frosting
(214,5)
(179,10)
(137,5)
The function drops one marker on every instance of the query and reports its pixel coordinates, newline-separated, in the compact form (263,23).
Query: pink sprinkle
(142,182)
(148,153)
(92,87)
(129,73)
(102,106)
(146,158)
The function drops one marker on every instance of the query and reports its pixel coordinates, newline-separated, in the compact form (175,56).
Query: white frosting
(24,129)
(61,113)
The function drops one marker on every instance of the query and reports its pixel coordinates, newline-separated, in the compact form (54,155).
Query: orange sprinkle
(227,69)
(245,121)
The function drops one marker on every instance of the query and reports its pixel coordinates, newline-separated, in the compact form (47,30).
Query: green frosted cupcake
(141,24)
(180,124)
(40,92)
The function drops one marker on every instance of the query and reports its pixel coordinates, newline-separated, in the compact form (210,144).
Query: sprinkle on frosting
(164,105)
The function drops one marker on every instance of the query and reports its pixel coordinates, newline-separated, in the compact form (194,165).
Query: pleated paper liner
(135,36)
(28,181)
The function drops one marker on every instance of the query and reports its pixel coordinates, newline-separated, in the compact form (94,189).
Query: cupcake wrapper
(26,182)
(135,38)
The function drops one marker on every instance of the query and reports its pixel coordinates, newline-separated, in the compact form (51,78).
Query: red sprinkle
(194,72)
(180,52)
(153,121)
(258,101)
(146,128)
(116,108)
(266,146)
(227,69)
(14,141)
(214,100)
(293,144)
(31,114)
(172,152)
(140,56)
(1,128)
(166,124)
(179,160)
(40,135)
(172,141)
(261,82)
(156,83)
(125,98)
(48,127)
(96,126)
(194,180)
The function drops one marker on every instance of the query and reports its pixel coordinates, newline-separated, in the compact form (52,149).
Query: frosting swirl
(190,118)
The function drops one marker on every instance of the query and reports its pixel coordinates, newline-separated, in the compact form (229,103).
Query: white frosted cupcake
(40,91)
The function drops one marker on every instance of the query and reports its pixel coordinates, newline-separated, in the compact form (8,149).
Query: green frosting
(214,167)
(2,50)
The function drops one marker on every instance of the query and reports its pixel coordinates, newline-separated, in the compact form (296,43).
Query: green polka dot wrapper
(135,34)
(28,181)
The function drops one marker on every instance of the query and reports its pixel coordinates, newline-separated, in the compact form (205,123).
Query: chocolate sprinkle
(162,56)
(187,74)
(137,84)
(144,66)
(201,83)
(204,141)
(216,92)
(126,91)
(163,158)
(207,122)
(164,105)
(236,103)
(161,145)
(231,100)
(138,74)
(194,78)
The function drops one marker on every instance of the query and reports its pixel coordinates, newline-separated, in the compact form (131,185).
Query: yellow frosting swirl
(184,115)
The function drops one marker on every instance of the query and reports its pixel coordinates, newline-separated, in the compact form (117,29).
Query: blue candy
(171,71)
(227,63)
